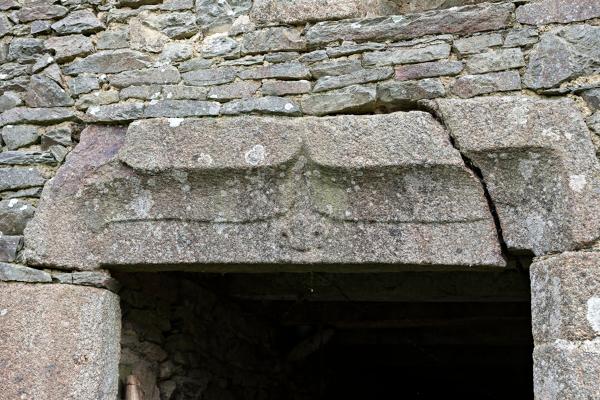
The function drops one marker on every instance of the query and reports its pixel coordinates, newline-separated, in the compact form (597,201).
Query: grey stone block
(262,105)
(22,273)
(567,370)
(476,44)
(351,99)
(79,21)
(428,70)
(460,20)
(361,76)
(562,54)
(301,11)
(474,85)
(409,55)
(109,62)
(562,11)
(59,341)
(495,60)
(539,164)
(9,246)
(565,297)
(19,178)
(14,215)
(289,70)
(305,189)
(272,39)
(406,94)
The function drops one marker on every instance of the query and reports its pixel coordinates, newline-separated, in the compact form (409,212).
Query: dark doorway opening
(406,335)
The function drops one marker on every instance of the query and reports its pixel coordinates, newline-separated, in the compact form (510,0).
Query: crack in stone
(469,164)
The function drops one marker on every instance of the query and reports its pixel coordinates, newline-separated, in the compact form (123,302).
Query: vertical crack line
(431,108)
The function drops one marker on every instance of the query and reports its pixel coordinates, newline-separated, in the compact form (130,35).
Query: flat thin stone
(299,12)
(25,115)
(207,77)
(346,100)
(291,70)
(460,20)
(362,76)
(9,246)
(474,85)
(109,62)
(428,70)
(476,44)
(272,39)
(495,60)
(407,55)
(21,273)
(269,105)
(406,94)
(20,178)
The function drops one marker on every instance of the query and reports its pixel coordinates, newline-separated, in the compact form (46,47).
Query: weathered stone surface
(282,56)
(176,52)
(112,39)
(592,98)
(44,91)
(197,63)
(219,45)
(313,56)
(538,161)
(116,112)
(567,370)
(495,60)
(19,178)
(347,100)
(83,84)
(474,85)
(5,25)
(262,105)
(180,92)
(357,77)
(594,122)
(235,90)
(428,70)
(21,273)
(476,44)
(206,77)
(59,341)
(562,11)
(26,158)
(290,70)
(146,76)
(9,245)
(80,21)
(144,38)
(41,11)
(19,136)
(25,115)
(38,27)
(272,87)
(69,47)
(217,15)
(25,50)
(271,214)
(14,215)
(335,67)
(412,6)
(9,100)
(463,20)
(100,280)
(301,11)
(565,295)
(521,37)
(407,55)
(97,98)
(406,94)
(181,109)
(175,25)
(562,54)
(349,48)
(60,134)
(272,39)
(109,62)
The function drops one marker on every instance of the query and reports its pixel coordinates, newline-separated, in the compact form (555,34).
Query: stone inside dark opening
(405,335)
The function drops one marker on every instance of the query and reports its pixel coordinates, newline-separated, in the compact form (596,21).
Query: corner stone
(58,342)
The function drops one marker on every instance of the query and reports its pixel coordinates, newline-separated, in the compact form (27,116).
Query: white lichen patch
(175,122)
(256,155)
(593,313)
(577,182)
(205,159)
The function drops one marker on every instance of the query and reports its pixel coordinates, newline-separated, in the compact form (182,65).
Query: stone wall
(71,63)
(509,100)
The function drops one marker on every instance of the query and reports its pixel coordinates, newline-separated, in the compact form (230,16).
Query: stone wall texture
(197,134)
